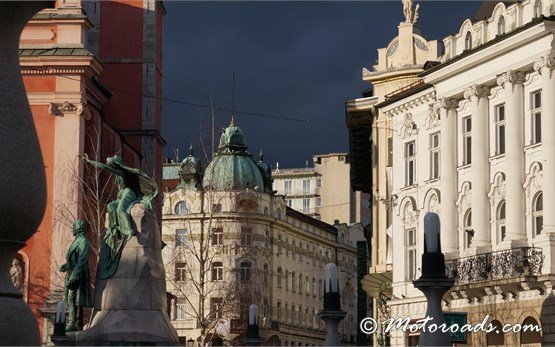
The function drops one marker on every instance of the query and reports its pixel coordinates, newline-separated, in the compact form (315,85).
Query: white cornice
(406,104)
(491,52)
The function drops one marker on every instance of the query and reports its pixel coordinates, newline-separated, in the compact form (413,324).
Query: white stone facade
(474,144)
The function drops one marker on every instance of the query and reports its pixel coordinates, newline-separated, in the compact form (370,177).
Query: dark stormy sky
(291,59)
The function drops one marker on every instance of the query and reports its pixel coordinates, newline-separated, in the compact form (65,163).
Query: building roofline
(404,94)
(490,43)
(313,221)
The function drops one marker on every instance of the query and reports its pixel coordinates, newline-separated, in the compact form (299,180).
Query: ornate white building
(473,142)
(232,242)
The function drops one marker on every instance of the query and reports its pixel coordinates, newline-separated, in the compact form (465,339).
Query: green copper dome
(232,167)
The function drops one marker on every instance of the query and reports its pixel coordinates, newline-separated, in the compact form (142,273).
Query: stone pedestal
(332,320)
(434,289)
(130,307)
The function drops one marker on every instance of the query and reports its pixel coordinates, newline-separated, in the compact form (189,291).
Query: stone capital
(67,108)
(511,78)
(477,91)
(545,65)
(448,103)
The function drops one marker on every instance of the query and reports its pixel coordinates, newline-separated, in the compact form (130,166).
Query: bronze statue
(77,281)
(134,186)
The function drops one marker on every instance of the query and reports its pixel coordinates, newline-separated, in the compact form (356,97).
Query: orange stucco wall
(38,247)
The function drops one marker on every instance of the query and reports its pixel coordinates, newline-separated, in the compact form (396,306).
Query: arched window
(501,25)
(181,208)
(537,213)
(538,9)
(468,41)
(245,271)
(278,213)
(217,271)
(531,336)
(496,337)
(501,227)
(467,227)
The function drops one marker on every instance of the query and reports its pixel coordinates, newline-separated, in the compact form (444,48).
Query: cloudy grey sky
(292,59)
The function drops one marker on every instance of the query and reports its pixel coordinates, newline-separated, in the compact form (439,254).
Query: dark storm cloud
(295,59)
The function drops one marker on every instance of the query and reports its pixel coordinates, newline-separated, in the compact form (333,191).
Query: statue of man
(77,281)
(134,186)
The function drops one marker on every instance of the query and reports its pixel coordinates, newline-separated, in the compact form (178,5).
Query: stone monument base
(130,308)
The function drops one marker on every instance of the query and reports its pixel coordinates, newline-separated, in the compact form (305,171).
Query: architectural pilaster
(478,97)
(512,83)
(448,174)
(544,66)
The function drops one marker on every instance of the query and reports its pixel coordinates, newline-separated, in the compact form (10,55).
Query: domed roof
(232,167)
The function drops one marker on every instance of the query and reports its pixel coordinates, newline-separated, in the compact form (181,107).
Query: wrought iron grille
(525,261)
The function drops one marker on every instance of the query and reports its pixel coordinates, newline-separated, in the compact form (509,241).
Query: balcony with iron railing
(505,264)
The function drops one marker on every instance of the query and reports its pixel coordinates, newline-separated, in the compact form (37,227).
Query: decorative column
(544,66)
(512,82)
(448,174)
(478,97)
(22,178)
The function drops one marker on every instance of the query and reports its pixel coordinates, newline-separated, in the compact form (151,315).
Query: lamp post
(434,282)
(253,337)
(332,314)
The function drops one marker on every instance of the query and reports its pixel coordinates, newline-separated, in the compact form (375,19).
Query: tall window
(217,236)
(216,307)
(536,116)
(246,236)
(293,281)
(468,41)
(410,163)
(538,9)
(288,187)
(266,274)
(180,237)
(181,208)
(267,239)
(289,202)
(537,213)
(467,227)
(180,272)
(278,311)
(467,140)
(318,182)
(279,274)
(306,204)
(245,271)
(286,280)
(501,227)
(300,283)
(306,186)
(307,285)
(500,129)
(217,271)
(180,309)
(410,249)
(318,201)
(434,156)
(501,25)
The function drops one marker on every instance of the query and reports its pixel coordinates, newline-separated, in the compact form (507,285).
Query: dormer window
(501,26)
(468,41)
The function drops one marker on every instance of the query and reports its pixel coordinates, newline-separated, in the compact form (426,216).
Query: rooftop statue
(134,186)
(411,14)
(77,281)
